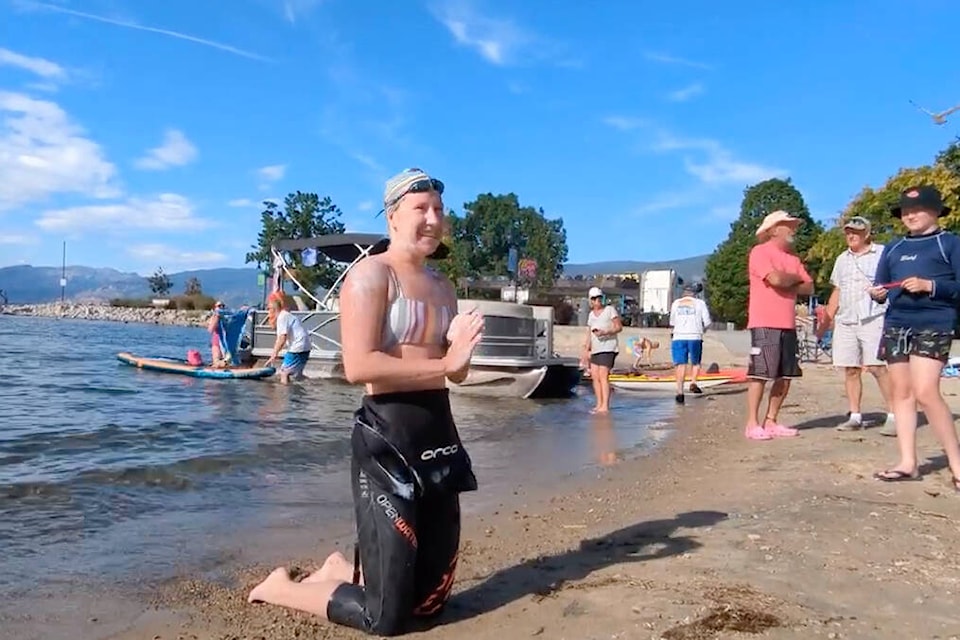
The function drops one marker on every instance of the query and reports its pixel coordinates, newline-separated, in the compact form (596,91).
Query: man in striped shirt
(858,321)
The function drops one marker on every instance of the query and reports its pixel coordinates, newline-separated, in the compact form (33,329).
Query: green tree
(726,269)
(193,287)
(950,157)
(875,205)
(305,215)
(160,283)
(480,240)
(455,265)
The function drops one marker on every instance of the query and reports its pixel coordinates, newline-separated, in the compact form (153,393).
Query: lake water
(109,473)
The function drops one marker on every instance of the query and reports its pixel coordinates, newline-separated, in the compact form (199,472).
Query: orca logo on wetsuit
(432,454)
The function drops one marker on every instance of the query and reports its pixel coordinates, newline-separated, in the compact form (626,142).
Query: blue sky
(147,133)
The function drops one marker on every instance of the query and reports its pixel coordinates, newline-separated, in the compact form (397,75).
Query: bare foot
(263,591)
(335,567)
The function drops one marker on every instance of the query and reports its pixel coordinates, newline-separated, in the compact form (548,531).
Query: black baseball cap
(926,196)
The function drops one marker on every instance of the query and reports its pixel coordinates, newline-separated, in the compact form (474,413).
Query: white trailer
(658,289)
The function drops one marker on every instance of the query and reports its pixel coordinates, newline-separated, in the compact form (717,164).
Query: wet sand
(712,537)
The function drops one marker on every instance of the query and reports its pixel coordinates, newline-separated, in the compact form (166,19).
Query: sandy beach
(712,536)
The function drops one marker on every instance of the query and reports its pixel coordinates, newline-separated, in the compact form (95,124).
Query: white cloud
(241,202)
(128,24)
(498,41)
(366,205)
(270,174)
(17,239)
(175,151)
(45,87)
(686,93)
(166,212)
(723,168)
(715,168)
(666,58)
(679,199)
(625,123)
(39,66)
(717,165)
(368,162)
(172,256)
(294,9)
(44,153)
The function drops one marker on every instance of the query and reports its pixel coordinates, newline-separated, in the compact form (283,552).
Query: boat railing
(516,332)
(543,316)
(322,326)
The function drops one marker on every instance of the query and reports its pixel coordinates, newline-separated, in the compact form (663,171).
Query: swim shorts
(898,344)
(686,352)
(293,363)
(774,354)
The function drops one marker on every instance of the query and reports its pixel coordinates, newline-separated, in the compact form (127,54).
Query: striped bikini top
(412,321)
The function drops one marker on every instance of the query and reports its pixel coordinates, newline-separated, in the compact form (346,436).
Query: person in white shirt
(290,332)
(857,322)
(601,346)
(689,318)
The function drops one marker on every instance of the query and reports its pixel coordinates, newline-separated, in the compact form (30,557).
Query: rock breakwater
(104,312)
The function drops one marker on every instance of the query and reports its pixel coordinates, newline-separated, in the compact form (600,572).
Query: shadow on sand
(872,420)
(546,575)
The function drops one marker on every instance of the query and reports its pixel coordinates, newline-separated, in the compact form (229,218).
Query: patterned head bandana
(409,181)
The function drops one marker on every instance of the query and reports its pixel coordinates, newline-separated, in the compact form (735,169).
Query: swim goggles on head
(423,185)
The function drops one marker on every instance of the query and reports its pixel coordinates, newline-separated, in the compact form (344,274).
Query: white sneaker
(850,425)
(889,427)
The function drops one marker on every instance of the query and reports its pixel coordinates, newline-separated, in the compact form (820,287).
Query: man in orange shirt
(776,277)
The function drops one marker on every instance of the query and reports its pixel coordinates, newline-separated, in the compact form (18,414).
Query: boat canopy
(349,248)
(341,247)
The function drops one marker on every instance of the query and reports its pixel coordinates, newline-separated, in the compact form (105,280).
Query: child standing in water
(919,275)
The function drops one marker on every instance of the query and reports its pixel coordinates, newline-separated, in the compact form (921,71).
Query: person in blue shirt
(919,276)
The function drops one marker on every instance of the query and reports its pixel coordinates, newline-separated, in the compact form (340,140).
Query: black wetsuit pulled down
(408,469)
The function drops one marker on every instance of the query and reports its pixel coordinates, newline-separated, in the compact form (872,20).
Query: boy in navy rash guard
(920,277)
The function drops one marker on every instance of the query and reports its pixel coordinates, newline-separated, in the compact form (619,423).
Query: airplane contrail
(139,27)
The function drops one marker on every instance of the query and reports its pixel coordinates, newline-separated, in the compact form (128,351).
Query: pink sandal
(756,432)
(776,430)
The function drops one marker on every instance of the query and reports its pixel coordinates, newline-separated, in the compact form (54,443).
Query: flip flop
(895,475)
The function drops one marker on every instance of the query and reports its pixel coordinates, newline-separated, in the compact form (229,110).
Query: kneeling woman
(402,338)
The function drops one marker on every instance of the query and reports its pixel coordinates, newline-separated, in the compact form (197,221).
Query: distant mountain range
(25,284)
